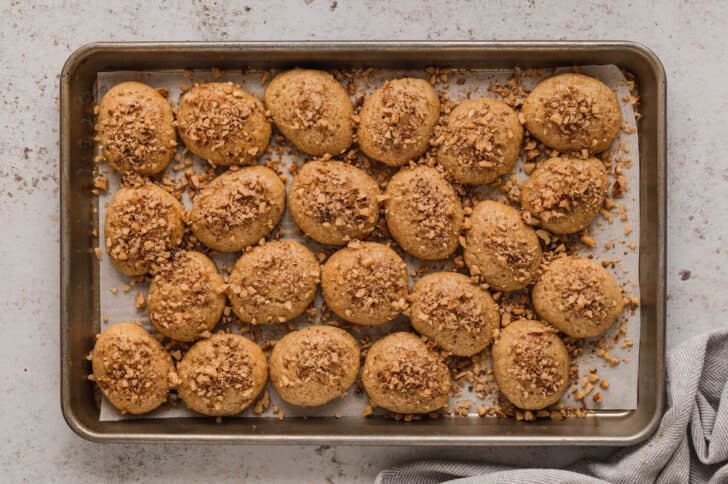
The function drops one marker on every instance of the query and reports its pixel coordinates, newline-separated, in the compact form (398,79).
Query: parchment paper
(119,306)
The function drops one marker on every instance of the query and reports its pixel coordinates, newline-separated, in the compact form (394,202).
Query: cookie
(314,365)
(334,202)
(454,313)
(573,112)
(481,141)
(500,248)
(143,225)
(186,298)
(396,121)
(238,208)
(531,365)
(312,110)
(274,282)
(135,129)
(222,375)
(424,214)
(565,194)
(223,124)
(132,369)
(365,283)
(402,375)
(578,296)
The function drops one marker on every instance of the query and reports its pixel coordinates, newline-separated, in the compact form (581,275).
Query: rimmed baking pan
(79,321)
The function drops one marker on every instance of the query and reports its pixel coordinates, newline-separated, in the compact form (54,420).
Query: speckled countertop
(37,37)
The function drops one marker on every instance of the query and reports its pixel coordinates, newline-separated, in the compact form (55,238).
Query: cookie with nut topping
(424,214)
(334,202)
(314,365)
(274,282)
(578,296)
(402,375)
(565,194)
(500,248)
(223,124)
(135,129)
(365,283)
(132,369)
(222,375)
(312,110)
(186,297)
(481,141)
(453,312)
(143,224)
(573,112)
(396,121)
(531,365)
(238,208)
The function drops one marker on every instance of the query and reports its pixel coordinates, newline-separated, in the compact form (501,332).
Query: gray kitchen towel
(690,445)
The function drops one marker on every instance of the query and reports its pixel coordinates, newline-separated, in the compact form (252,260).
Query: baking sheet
(117,305)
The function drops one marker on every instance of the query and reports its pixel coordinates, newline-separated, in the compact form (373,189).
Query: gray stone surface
(36,38)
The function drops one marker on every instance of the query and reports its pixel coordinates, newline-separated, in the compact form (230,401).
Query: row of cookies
(225,373)
(479,141)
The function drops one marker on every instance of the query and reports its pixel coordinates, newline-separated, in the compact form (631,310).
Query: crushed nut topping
(328,196)
(534,365)
(564,187)
(580,293)
(243,202)
(455,309)
(411,372)
(373,283)
(217,117)
(315,361)
(402,114)
(476,141)
(570,111)
(509,247)
(432,209)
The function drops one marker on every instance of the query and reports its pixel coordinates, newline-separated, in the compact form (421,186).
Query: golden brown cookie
(402,375)
(424,214)
(531,365)
(312,110)
(334,202)
(222,375)
(481,141)
(143,224)
(187,297)
(136,129)
(223,124)
(500,248)
(274,282)
(396,121)
(573,112)
(578,296)
(314,365)
(238,208)
(365,283)
(566,194)
(132,369)
(453,312)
